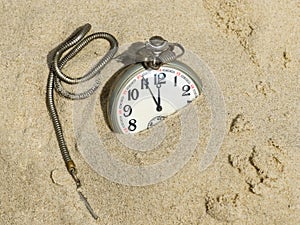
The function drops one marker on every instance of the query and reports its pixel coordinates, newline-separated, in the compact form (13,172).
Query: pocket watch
(145,93)
(156,85)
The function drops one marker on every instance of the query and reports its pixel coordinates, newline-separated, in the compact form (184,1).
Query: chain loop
(76,42)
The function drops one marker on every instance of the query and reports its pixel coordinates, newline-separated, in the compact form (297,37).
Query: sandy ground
(253,49)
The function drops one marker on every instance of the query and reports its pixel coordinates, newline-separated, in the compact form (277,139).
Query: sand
(253,50)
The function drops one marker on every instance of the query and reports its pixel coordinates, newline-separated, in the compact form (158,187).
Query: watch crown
(157,43)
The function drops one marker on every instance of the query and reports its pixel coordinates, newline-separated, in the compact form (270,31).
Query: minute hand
(158,108)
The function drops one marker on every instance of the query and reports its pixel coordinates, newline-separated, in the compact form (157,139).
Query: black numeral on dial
(127,110)
(132,125)
(186,88)
(133,94)
(144,83)
(159,79)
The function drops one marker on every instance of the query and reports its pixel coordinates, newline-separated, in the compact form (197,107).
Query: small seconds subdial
(143,97)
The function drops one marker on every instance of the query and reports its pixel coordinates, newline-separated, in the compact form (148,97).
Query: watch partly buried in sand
(153,85)
(145,93)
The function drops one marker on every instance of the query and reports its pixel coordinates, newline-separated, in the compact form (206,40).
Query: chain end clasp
(72,170)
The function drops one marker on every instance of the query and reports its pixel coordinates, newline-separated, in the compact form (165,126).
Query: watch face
(143,97)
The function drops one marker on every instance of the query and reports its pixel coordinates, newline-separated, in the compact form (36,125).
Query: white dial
(143,97)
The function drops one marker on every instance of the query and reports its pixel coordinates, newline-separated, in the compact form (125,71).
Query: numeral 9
(127,110)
